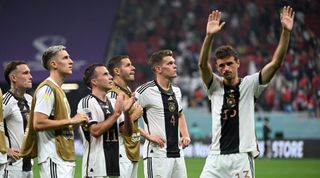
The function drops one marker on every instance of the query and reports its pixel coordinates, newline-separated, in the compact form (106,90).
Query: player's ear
(53,64)
(157,68)
(94,82)
(116,71)
(13,77)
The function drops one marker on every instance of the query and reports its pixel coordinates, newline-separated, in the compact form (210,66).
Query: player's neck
(102,95)
(17,92)
(232,82)
(57,78)
(121,83)
(164,83)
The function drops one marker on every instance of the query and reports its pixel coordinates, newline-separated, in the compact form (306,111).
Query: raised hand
(286,17)
(213,25)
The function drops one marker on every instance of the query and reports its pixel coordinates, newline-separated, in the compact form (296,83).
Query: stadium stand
(250,27)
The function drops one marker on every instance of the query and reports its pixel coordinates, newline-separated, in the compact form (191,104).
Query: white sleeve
(89,108)
(215,82)
(257,87)
(179,99)
(44,101)
(140,98)
(7,110)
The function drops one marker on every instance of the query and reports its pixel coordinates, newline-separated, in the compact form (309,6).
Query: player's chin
(131,78)
(69,72)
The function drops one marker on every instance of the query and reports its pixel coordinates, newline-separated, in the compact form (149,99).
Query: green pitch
(265,168)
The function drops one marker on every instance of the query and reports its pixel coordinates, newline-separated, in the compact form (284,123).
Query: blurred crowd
(252,27)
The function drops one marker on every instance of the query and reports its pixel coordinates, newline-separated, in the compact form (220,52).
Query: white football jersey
(96,155)
(16,114)
(233,123)
(161,117)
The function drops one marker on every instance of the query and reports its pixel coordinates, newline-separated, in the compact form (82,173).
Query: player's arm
(271,68)
(12,153)
(42,122)
(99,128)
(185,138)
(152,138)
(43,108)
(213,26)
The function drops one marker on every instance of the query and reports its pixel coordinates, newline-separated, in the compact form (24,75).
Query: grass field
(265,168)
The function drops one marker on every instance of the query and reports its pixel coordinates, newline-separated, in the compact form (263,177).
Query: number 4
(173,120)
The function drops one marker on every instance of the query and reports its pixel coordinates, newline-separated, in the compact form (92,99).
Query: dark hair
(157,57)
(225,51)
(89,73)
(11,66)
(115,62)
(50,53)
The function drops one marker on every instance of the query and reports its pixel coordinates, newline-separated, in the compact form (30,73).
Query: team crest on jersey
(231,101)
(172,106)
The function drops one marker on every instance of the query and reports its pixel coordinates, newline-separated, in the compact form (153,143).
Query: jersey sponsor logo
(1,127)
(67,134)
(135,137)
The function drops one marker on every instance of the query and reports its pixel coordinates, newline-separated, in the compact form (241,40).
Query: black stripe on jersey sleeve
(145,86)
(210,82)
(260,78)
(7,98)
(85,101)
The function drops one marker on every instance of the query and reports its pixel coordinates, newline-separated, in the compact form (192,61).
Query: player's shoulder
(8,98)
(251,78)
(45,89)
(85,101)
(142,88)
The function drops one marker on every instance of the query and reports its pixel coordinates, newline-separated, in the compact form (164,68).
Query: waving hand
(213,24)
(286,18)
